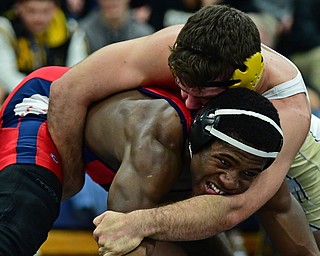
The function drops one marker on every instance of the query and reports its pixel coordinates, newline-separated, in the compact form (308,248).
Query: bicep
(295,122)
(144,178)
(294,113)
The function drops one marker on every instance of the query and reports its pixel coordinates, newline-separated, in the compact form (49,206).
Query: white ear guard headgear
(204,129)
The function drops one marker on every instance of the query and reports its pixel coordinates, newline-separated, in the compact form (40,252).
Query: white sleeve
(10,76)
(77,50)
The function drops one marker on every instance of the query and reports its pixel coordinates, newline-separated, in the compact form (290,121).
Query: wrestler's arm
(144,177)
(286,225)
(133,189)
(226,212)
(114,68)
(203,216)
(290,237)
(147,173)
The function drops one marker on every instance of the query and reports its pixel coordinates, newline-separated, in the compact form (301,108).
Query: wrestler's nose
(230,180)
(195,102)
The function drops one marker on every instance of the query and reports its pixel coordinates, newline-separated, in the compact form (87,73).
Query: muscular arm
(111,69)
(143,180)
(142,184)
(286,225)
(206,215)
(283,217)
(150,157)
(226,212)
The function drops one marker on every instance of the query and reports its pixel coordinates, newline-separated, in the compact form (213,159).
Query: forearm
(206,215)
(196,218)
(66,131)
(287,227)
(192,219)
(183,221)
(70,97)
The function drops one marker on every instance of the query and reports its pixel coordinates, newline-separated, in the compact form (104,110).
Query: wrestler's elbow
(235,215)
(72,186)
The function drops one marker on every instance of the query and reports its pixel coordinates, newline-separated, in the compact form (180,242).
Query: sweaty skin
(118,130)
(86,83)
(131,131)
(73,100)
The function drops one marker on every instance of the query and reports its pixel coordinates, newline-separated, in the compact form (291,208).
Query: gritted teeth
(215,189)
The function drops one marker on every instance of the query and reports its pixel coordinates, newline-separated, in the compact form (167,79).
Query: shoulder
(146,118)
(135,119)
(279,68)
(170,32)
(158,122)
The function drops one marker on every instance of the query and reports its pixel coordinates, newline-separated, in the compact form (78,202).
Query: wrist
(144,222)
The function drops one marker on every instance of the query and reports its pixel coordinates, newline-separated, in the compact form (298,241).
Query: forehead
(243,159)
(27,8)
(36,3)
(206,92)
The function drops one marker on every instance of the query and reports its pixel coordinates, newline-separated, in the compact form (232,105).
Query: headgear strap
(250,77)
(220,112)
(247,78)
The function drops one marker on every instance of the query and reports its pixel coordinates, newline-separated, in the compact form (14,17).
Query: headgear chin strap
(250,77)
(211,128)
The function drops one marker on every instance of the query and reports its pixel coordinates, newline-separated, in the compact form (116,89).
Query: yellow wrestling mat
(69,242)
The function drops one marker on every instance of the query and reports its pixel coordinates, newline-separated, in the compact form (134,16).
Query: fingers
(103,252)
(96,236)
(97,220)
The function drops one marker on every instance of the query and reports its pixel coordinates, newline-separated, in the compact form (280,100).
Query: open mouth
(213,190)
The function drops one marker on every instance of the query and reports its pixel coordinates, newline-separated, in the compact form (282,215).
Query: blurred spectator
(111,22)
(314,102)
(160,14)
(272,17)
(33,34)
(5,5)
(76,10)
(302,43)
(141,10)
(178,12)
(165,13)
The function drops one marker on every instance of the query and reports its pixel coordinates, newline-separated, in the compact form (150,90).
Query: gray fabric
(99,34)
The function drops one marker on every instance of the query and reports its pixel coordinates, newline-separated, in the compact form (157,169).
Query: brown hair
(213,43)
